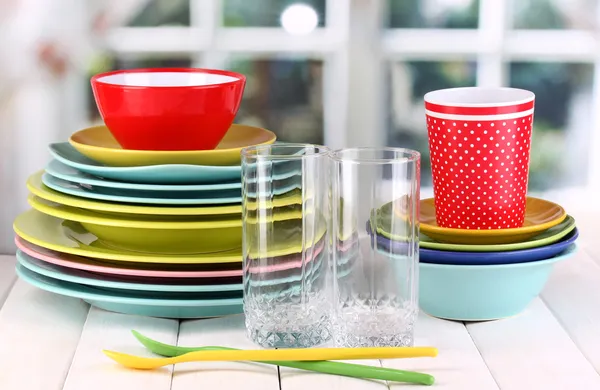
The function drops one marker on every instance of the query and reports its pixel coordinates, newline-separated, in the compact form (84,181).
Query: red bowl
(168,108)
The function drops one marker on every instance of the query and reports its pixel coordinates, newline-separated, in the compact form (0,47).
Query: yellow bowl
(99,144)
(540,215)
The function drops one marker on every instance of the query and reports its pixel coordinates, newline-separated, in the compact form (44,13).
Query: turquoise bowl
(483,292)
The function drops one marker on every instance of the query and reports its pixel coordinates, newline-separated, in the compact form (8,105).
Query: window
(554,14)
(283,95)
(347,73)
(523,44)
(265,13)
(409,81)
(433,13)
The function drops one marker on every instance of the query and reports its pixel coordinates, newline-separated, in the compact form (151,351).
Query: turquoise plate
(145,197)
(64,172)
(152,304)
(122,282)
(152,174)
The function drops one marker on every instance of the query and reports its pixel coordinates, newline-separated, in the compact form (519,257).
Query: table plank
(532,351)
(294,379)
(226,331)
(458,366)
(91,369)
(573,295)
(7,276)
(39,332)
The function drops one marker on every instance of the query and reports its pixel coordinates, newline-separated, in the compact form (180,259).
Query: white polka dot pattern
(480,171)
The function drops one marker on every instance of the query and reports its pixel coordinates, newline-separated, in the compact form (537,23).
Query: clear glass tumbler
(285,209)
(374,246)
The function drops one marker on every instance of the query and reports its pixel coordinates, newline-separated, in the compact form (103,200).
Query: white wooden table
(52,342)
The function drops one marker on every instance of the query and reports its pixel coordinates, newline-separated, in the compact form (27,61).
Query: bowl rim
(566,240)
(95,79)
(569,251)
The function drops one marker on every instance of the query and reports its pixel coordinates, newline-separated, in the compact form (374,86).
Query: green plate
(547,237)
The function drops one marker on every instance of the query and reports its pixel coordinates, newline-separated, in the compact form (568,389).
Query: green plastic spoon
(327,367)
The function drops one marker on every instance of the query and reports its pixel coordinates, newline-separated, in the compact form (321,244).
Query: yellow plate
(99,144)
(36,187)
(71,237)
(540,215)
(147,233)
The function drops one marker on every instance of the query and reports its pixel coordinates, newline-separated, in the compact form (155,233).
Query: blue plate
(509,257)
(123,283)
(145,197)
(152,174)
(143,303)
(480,258)
(64,172)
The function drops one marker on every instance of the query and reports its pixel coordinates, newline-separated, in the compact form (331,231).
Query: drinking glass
(285,209)
(374,246)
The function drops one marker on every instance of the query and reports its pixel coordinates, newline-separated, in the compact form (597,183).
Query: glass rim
(409,155)
(252,151)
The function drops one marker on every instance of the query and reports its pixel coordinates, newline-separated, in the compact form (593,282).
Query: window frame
(354,48)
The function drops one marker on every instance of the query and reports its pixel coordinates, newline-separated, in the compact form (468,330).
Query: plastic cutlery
(326,367)
(308,354)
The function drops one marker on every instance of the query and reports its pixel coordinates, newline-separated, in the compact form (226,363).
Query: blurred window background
(338,72)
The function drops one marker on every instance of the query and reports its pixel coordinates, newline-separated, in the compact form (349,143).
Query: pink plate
(120,268)
(278,264)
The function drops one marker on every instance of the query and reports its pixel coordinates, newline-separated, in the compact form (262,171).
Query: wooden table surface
(52,342)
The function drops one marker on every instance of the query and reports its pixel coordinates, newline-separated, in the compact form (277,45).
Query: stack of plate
(474,275)
(143,232)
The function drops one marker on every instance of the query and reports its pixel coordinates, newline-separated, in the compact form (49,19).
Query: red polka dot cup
(479,144)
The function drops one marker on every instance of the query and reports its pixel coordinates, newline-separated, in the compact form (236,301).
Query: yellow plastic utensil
(308,354)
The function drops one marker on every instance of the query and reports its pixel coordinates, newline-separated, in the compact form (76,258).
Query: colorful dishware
(64,172)
(142,303)
(479,142)
(327,367)
(148,234)
(481,258)
(98,144)
(212,273)
(37,188)
(120,195)
(122,283)
(149,174)
(71,237)
(540,215)
(547,237)
(483,292)
(510,257)
(168,109)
